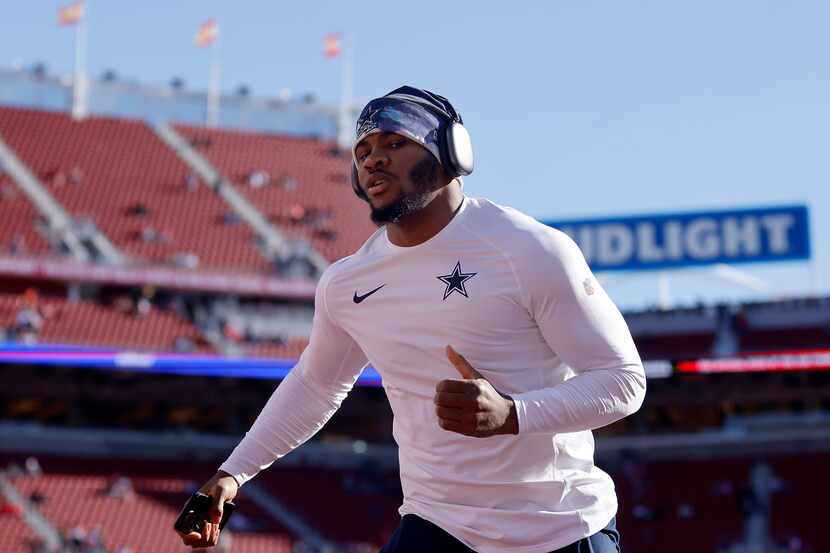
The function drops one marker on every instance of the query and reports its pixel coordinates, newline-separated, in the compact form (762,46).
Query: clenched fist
(470,405)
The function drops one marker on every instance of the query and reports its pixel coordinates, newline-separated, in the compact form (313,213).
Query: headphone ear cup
(356,185)
(459,149)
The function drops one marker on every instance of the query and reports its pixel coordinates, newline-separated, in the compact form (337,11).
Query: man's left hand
(470,405)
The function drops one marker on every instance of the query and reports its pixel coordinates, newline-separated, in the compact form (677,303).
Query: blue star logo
(455,281)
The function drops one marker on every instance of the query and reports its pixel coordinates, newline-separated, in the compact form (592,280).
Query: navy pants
(416,535)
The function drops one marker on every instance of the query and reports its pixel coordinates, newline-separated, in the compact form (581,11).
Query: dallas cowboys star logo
(368,122)
(455,281)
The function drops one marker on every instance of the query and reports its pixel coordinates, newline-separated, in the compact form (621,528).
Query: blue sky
(575,108)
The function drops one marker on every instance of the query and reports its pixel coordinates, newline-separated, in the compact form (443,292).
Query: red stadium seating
(308,192)
(75,494)
(88,323)
(102,167)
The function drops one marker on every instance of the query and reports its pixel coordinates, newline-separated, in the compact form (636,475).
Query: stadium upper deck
(109,96)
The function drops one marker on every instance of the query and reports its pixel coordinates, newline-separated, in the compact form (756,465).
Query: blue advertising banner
(676,240)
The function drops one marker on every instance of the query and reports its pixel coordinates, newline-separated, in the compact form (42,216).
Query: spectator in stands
(145,302)
(76,176)
(191,181)
(150,234)
(28,321)
(74,539)
(288,182)
(94,542)
(185,260)
(36,498)
(17,245)
(122,488)
(32,466)
(138,209)
(183,344)
(231,218)
(297,213)
(258,178)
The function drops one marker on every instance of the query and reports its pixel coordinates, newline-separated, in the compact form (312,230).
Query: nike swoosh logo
(358,299)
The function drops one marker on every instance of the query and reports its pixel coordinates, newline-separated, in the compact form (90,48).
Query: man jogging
(498,349)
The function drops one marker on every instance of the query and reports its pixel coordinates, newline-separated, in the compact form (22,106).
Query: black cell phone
(195,513)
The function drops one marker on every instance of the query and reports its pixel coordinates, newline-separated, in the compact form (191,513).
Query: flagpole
(79,82)
(344,119)
(213,86)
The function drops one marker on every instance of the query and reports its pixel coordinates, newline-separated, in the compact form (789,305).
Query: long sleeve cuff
(590,400)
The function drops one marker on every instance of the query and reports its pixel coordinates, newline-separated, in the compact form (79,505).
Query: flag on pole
(331,45)
(207,33)
(71,14)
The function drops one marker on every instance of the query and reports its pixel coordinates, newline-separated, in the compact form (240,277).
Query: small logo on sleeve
(588,284)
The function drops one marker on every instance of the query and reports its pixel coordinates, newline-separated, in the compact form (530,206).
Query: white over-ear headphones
(454,141)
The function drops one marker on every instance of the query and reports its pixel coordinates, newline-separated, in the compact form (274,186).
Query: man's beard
(425,177)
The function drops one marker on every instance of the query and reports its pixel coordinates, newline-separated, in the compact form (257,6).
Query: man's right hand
(221,488)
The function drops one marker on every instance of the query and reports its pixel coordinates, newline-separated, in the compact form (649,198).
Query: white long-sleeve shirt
(517,299)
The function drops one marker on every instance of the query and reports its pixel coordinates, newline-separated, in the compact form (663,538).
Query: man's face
(399,176)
